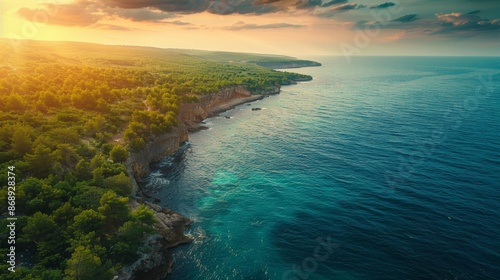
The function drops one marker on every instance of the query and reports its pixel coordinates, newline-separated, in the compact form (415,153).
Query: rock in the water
(197,127)
(256,109)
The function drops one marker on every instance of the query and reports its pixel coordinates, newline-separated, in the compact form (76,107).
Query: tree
(67,155)
(88,221)
(84,265)
(118,153)
(21,140)
(119,183)
(114,209)
(39,161)
(97,161)
(31,187)
(97,177)
(82,170)
(41,228)
(89,197)
(68,135)
(144,215)
(15,103)
(137,144)
(46,234)
(50,100)
(64,214)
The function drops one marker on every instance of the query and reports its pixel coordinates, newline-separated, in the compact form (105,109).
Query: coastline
(239,101)
(158,263)
(171,225)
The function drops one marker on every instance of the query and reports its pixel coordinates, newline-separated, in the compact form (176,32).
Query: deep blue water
(384,168)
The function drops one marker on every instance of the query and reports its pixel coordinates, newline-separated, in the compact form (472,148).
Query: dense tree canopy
(70,114)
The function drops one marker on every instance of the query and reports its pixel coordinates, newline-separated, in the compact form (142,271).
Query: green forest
(70,115)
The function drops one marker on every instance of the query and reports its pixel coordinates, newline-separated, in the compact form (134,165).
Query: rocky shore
(157,263)
(189,118)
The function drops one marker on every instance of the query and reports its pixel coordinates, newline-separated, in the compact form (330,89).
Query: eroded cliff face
(158,261)
(211,104)
(170,225)
(189,116)
(166,144)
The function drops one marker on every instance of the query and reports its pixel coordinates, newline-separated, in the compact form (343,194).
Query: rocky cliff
(171,226)
(158,261)
(190,115)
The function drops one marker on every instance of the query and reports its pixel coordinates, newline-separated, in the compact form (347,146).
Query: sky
(288,27)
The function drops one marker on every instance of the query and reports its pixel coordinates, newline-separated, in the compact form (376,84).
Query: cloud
(346,7)
(184,6)
(139,14)
(63,14)
(473,12)
(466,24)
(260,2)
(221,7)
(90,13)
(334,2)
(363,24)
(406,18)
(227,7)
(395,37)
(111,27)
(383,5)
(240,25)
(306,4)
(339,9)
(401,22)
(177,22)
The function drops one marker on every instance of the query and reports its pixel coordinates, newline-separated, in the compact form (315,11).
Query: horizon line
(248,52)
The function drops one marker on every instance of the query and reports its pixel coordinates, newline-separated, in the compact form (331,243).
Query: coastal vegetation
(71,113)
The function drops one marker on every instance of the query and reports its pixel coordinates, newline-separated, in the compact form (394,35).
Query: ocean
(382,168)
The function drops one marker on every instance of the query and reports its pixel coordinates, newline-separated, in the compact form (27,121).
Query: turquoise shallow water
(384,168)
